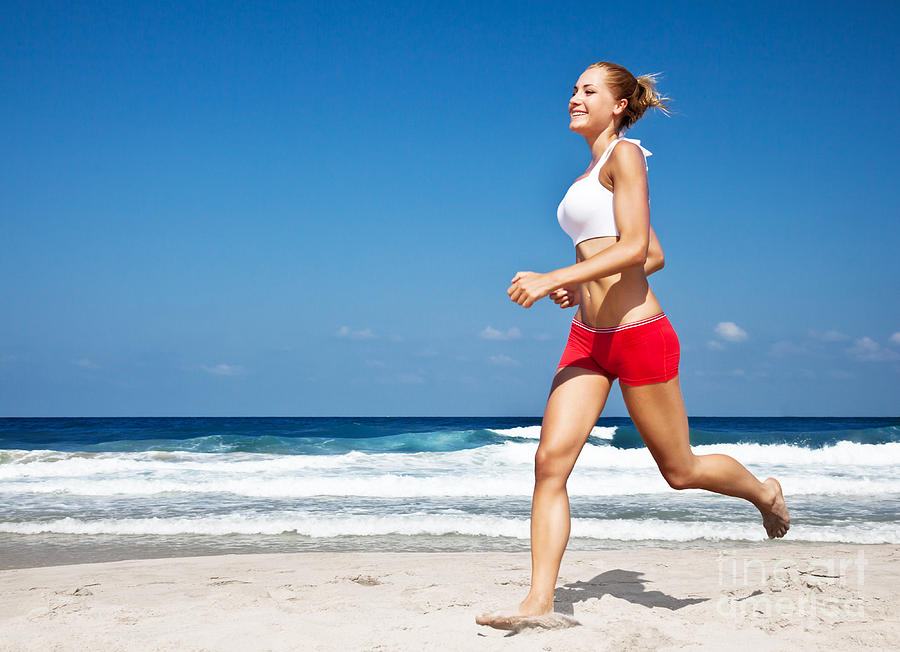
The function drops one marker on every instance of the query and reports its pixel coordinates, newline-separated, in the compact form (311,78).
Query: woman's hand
(528,287)
(567,297)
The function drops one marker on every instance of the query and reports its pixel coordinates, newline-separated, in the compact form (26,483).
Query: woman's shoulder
(628,156)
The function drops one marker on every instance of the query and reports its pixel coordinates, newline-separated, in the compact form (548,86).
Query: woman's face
(592,106)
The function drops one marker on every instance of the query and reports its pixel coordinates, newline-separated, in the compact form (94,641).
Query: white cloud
(868,350)
(503,360)
(346,331)
(829,336)
(86,363)
(895,338)
(730,331)
(223,369)
(493,334)
(715,345)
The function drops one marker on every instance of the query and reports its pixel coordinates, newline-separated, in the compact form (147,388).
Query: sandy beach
(771,597)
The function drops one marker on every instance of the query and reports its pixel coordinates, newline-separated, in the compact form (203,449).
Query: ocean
(74,490)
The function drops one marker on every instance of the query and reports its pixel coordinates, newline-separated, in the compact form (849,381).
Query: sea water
(87,489)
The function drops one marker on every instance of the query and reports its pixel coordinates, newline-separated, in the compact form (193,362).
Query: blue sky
(316,209)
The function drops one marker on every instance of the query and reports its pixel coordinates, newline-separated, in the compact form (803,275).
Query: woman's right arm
(570,297)
(631,210)
(655,259)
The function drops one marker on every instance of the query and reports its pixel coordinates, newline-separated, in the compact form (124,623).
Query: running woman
(619,331)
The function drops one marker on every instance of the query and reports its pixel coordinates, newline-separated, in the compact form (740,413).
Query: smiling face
(592,108)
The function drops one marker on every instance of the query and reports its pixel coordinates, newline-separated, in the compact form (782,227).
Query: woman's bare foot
(776,518)
(513,617)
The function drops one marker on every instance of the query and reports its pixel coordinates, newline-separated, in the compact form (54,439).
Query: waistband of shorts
(621,327)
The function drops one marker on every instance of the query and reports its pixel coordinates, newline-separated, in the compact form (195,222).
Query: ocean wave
(336,441)
(329,436)
(50,463)
(584,482)
(505,469)
(534,432)
(441,524)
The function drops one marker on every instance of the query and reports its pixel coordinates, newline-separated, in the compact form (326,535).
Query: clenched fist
(528,287)
(566,297)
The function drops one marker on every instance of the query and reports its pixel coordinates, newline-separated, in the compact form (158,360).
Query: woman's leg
(577,397)
(658,413)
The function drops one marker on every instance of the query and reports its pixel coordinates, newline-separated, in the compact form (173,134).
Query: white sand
(768,597)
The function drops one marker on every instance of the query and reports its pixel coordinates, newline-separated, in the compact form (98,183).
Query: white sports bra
(586,211)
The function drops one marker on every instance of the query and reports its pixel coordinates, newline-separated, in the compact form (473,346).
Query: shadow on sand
(620,583)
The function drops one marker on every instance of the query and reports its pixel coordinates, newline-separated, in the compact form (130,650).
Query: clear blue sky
(315,209)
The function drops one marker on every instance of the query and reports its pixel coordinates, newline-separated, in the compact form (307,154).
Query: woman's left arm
(655,259)
(631,206)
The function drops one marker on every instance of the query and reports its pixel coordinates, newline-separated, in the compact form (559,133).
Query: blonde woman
(619,331)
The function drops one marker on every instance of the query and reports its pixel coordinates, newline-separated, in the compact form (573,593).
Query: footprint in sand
(365,580)
(220,581)
(287,598)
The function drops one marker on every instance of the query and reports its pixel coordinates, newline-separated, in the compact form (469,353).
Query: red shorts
(639,353)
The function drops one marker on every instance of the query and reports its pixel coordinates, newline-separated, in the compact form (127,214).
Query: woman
(619,330)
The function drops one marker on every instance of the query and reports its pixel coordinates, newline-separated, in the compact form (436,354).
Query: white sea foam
(392,485)
(21,463)
(439,524)
(534,432)
(505,469)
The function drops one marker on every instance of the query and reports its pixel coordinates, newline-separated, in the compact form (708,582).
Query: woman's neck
(599,142)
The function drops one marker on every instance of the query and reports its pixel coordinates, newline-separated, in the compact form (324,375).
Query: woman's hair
(640,92)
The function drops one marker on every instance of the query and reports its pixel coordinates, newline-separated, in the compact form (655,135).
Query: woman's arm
(566,297)
(655,259)
(571,296)
(631,206)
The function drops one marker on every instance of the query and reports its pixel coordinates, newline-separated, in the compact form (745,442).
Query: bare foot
(776,518)
(512,620)
(526,614)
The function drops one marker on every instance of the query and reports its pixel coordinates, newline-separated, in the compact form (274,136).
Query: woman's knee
(680,475)
(550,463)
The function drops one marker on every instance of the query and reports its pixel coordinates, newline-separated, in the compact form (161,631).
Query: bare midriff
(613,300)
